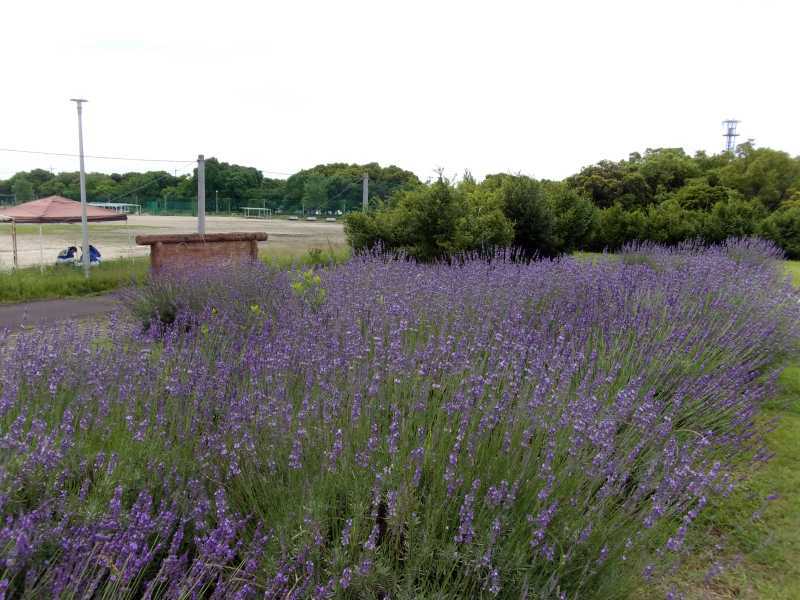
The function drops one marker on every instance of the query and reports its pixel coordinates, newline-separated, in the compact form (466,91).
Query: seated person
(67,256)
(94,256)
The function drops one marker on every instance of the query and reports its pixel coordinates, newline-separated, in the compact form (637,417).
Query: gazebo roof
(56,209)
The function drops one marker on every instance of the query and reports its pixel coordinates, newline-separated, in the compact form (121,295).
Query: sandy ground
(116,240)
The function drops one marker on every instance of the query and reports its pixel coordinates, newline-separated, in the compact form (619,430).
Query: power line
(164,160)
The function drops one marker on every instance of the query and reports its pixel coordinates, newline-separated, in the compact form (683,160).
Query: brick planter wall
(195,249)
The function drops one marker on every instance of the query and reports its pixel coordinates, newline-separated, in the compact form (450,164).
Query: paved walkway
(43,312)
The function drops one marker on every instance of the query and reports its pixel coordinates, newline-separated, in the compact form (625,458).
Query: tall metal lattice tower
(730,134)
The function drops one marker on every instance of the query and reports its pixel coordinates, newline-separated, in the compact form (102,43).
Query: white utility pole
(365,192)
(201,194)
(84,220)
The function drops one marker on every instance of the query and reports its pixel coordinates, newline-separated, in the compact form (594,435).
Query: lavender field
(384,429)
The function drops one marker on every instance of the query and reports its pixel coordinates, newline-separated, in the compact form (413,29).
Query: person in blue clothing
(94,256)
(67,256)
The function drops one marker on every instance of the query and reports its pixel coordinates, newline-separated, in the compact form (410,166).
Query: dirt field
(116,240)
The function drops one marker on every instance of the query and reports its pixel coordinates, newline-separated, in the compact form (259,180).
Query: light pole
(84,220)
(201,194)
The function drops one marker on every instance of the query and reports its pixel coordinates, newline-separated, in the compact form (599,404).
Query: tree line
(327,188)
(664,195)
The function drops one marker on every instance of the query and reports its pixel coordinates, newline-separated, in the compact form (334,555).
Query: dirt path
(45,312)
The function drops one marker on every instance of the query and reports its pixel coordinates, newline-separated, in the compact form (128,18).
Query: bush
(617,226)
(734,217)
(783,228)
(433,222)
(525,205)
(387,427)
(230,291)
(699,195)
(362,231)
(575,219)
(669,223)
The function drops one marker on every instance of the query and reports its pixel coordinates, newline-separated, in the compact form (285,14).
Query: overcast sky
(541,88)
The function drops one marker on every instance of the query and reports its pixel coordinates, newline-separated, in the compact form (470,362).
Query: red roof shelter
(55,209)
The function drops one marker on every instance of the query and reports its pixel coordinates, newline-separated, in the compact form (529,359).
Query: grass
(793,269)
(62,281)
(759,539)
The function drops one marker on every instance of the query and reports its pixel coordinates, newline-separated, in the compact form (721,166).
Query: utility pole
(365,192)
(201,194)
(216,201)
(84,220)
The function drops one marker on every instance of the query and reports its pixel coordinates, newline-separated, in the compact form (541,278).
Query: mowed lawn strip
(63,281)
(757,528)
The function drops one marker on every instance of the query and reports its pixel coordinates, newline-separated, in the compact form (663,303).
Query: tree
(670,223)
(783,228)
(767,175)
(434,221)
(484,226)
(428,219)
(698,194)
(345,184)
(23,188)
(575,218)
(525,205)
(603,183)
(315,193)
(617,226)
(667,169)
(734,217)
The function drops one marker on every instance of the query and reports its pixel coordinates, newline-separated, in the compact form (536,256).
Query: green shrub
(617,226)
(783,228)
(734,217)
(670,223)
(525,204)
(575,219)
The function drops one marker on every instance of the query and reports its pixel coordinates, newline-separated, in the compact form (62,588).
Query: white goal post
(256,212)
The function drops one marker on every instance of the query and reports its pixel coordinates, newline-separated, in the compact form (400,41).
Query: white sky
(541,88)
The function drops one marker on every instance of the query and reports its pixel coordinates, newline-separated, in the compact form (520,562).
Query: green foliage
(60,281)
(484,225)
(575,218)
(670,223)
(698,194)
(434,221)
(307,285)
(363,231)
(663,195)
(764,174)
(526,205)
(315,193)
(342,186)
(783,228)
(734,217)
(429,219)
(23,189)
(666,169)
(617,226)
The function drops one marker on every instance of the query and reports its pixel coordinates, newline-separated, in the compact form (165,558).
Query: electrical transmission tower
(730,134)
